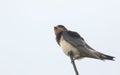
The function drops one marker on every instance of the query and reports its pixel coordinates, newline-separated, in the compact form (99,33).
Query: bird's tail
(104,56)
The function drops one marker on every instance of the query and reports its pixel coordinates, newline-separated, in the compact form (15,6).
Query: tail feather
(106,57)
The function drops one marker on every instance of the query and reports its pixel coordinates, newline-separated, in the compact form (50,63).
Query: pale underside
(68,47)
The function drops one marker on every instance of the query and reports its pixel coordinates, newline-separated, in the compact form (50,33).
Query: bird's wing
(77,41)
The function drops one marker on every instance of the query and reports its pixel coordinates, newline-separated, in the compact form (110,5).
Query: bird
(72,42)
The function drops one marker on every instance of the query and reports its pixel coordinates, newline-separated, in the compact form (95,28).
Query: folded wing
(77,41)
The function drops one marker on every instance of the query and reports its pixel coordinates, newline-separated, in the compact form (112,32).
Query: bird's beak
(55,27)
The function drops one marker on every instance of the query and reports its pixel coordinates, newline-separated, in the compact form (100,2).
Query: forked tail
(105,57)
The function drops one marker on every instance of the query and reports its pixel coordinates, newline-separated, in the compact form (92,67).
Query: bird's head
(59,28)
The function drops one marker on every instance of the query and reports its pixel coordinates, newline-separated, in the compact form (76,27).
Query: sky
(27,40)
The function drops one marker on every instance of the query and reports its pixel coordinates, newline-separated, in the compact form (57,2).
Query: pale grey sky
(27,41)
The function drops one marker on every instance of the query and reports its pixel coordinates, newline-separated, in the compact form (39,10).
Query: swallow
(71,41)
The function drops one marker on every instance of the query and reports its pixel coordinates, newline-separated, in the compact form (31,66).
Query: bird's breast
(67,47)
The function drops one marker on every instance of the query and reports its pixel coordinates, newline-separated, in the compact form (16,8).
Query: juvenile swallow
(71,41)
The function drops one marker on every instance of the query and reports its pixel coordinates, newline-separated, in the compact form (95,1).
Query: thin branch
(73,63)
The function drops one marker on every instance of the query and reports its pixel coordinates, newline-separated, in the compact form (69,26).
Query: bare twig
(73,63)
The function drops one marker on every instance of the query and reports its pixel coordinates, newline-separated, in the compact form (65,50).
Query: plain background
(27,40)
